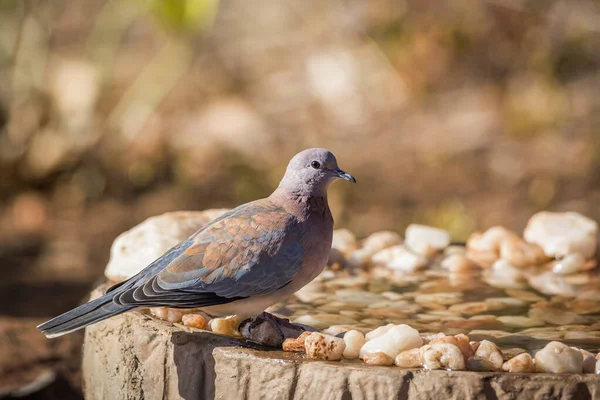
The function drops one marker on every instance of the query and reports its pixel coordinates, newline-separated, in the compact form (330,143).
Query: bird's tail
(82,316)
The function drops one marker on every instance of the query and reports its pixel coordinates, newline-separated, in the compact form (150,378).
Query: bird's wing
(253,250)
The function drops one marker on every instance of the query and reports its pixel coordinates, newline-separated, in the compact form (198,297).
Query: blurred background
(462,114)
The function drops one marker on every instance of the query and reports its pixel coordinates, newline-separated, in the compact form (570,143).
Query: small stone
(295,344)
(457,264)
(484,248)
(524,295)
(442,356)
(570,264)
(167,314)
(522,363)
(225,326)
(398,338)
(505,276)
(319,346)
(454,249)
(378,358)
(344,241)
(359,258)
(439,298)
(521,254)
(311,321)
(517,321)
(382,330)
(502,303)
(589,362)
(558,358)
(354,341)
(587,302)
(598,367)
(426,240)
(480,364)
(381,240)
(399,258)
(461,341)
(555,316)
(489,351)
(469,308)
(409,358)
(560,234)
(194,320)
(552,284)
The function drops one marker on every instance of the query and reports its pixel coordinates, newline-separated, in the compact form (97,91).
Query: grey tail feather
(82,316)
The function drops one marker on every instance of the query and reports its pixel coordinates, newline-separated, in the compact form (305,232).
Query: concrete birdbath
(499,318)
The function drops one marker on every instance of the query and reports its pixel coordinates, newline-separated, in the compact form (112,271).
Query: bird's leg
(268,330)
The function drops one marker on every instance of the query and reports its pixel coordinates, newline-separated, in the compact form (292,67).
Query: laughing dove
(240,263)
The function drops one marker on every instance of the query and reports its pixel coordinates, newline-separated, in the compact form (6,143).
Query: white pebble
(426,240)
(225,326)
(319,346)
(520,253)
(484,248)
(442,356)
(489,351)
(382,330)
(344,241)
(409,358)
(559,358)
(399,258)
(167,314)
(397,339)
(598,367)
(354,341)
(570,264)
(560,234)
(381,240)
(457,263)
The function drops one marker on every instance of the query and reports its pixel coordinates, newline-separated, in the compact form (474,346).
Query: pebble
(570,264)
(598,367)
(397,338)
(555,316)
(517,321)
(344,241)
(295,344)
(457,263)
(409,358)
(225,326)
(461,341)
(354,341)
(426,240)
(469,308)
(381,240)
(504,275)
(311,321)
(589,362)
(480,364)
(167,314)
(560,234)
(399,258)
(442,356)
(559,358)
(520,363)
(194,320)
(587,302)
(521,254)
(489,352)
(319,346)
(439,298)
(484,248)
(525,295)
(378,358)
(382,330)
(551,284)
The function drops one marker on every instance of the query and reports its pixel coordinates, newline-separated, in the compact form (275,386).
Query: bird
(242,262)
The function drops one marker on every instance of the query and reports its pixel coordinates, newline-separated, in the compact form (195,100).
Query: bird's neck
(302,204)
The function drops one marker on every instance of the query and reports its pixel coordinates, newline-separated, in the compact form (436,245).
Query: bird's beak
(344,175)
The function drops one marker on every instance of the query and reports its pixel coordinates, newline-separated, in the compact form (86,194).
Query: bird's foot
(270,331)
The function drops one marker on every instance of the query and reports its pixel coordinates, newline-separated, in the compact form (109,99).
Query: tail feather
(82,316)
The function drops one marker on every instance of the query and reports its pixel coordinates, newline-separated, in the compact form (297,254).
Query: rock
(399,258)
(136,248)
(378,358)
(488,351)
(319,346)
(521,254)
(461,341)
(344,241)
(522,363)
(558,358)
(561,234)
(310,320)
(505,276)
(555,316)
(587,302)
(571,264)
(167,314)
(480,364)
(354,340)
(382,330)
(525,295)
(518,321)
(589,362)
(446,299)
(194,320)
(426,240)
(552,284)
(225,326)
(295,344)
(381,240)
(457,263)
(409,358)
(484,248)
(598,367)
(442,356)
(469,308)
(398,338)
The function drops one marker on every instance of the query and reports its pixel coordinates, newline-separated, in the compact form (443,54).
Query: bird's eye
(315,164)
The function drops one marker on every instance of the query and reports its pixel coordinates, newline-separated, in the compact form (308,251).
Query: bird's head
(312,171)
